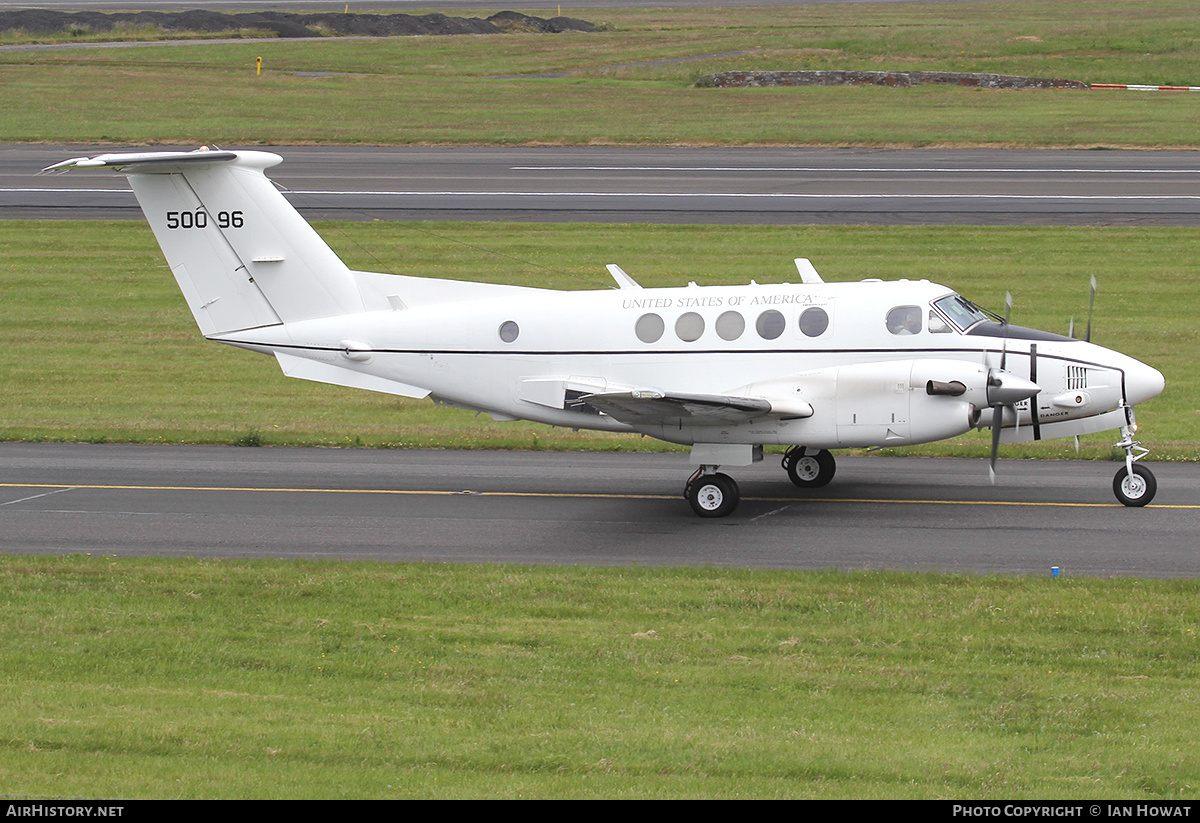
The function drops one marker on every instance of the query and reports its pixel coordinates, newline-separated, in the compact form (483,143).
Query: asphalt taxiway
(588,509)
(787,186)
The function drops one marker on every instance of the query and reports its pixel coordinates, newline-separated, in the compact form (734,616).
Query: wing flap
(649,406)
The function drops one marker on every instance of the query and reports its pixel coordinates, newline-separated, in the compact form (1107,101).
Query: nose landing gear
(1134,485)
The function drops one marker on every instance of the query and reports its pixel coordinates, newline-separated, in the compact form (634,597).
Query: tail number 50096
(199,219)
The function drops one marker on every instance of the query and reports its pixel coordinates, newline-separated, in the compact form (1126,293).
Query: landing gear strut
(1134,485)
(809,471)
(711,493)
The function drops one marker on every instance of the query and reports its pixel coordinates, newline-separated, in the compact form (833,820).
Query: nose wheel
(1135,488)
(1134,484)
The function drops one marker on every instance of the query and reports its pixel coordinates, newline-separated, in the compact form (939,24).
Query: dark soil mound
(735,79)
(285,24)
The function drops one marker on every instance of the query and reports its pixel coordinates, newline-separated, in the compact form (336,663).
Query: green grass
(96,343)
(446,89)
(201,679)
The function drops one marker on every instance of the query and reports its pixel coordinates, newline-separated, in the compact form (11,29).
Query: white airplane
(723,369)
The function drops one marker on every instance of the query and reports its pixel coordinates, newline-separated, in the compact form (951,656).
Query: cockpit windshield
(960,311)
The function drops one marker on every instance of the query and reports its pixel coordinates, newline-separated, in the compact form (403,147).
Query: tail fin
(241,254)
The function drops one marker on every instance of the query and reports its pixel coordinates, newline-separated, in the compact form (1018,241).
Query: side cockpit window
(961,312)
(904,320)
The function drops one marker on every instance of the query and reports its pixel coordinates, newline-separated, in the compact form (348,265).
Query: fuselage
(861,354)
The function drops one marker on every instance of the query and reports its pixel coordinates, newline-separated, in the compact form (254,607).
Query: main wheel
(1135,489)
(713,495)
(810,471)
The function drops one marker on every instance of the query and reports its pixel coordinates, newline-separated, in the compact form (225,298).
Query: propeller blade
(997,419)
(1071,328)
(1005,390)
(1091,305)
(1008,303)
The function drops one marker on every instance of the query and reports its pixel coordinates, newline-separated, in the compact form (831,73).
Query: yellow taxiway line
(565,495)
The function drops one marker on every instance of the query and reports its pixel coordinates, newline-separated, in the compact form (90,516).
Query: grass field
(193,679)
(616,88)
(101,347)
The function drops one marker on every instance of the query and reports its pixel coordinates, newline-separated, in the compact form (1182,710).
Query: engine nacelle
(897,402)
(906,402)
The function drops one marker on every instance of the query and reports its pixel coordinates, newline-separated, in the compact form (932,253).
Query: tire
(1137,489)
(811,471)
(713,495)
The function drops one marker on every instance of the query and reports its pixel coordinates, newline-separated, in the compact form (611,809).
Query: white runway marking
(854,170)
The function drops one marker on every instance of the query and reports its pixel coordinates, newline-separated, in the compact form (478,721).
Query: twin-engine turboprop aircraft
(724,369)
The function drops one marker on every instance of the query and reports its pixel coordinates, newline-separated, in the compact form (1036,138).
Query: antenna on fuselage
(624,281)
(808,272)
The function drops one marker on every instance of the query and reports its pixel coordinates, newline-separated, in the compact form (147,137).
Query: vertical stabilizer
(241,254)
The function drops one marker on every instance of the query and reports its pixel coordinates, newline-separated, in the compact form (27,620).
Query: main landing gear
(809,471)
(713,494)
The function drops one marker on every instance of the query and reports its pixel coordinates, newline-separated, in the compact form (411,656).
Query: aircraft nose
(1142,383)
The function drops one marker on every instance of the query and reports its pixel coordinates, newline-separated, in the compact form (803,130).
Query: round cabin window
(770,324)
(730,325)
(649,328)
(689,326)
(814,322)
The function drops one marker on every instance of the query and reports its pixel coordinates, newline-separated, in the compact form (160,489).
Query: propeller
(1005,390)
(1088,337)
(1091,305)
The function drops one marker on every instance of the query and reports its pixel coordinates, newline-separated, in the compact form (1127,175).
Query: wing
(650,406)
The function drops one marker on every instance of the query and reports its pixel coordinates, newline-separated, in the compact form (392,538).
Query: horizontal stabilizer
(153,161)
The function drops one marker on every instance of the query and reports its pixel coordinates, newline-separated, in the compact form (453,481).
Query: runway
(587,509)
(673,185)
